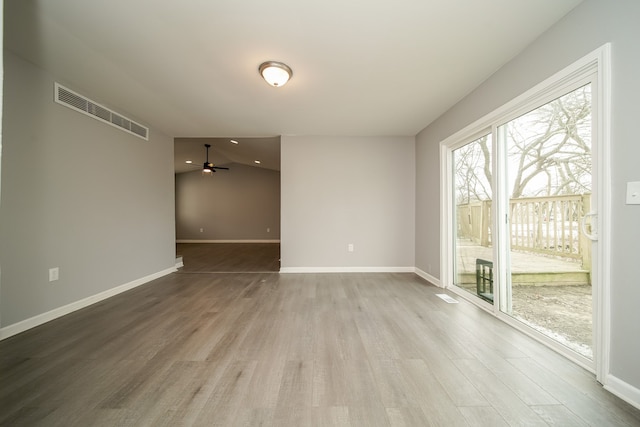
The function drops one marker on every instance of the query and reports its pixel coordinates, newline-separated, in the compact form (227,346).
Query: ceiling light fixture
(257,162)
(275,73)
(207,167)
(233,141)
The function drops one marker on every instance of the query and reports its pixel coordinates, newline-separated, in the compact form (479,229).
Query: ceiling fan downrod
(207,167)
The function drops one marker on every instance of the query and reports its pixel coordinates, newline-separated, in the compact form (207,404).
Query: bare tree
(549,152)
(473,171)
(551,147)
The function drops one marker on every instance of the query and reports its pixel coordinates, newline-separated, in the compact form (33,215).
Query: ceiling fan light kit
(208,168)
(275,73)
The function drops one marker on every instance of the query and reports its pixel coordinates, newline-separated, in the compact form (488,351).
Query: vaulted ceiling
(223,151)
(190,68)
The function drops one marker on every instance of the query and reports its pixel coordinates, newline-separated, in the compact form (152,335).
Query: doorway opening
(228,220)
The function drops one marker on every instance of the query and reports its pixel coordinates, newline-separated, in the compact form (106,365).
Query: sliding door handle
(593,235)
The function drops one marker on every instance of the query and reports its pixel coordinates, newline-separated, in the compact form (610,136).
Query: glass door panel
(472,197)
(548,170)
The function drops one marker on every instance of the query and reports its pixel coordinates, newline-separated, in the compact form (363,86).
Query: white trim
(471,298)
(179,262)
(602,303)
(16,328)
(623,390)
(347,270)
(543,90)
(446,217)
(577,358)
(530,332)
(228,241)
(596,63)
(428,277)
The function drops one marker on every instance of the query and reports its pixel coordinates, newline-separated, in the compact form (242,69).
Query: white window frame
(596,68)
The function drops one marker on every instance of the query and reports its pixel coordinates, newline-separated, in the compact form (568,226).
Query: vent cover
(84,105)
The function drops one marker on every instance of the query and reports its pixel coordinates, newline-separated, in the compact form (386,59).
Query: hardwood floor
(264,349)
(229,257)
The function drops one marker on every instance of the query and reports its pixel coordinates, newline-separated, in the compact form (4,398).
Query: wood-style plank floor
(229,257)
(264,349)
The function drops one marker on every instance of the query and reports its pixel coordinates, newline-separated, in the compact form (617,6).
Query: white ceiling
(362,67)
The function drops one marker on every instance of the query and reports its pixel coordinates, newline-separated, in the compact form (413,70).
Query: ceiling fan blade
(220,167)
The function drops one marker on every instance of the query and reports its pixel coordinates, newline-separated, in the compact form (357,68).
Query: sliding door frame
(594,67)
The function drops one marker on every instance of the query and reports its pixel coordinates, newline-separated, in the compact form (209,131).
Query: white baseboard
(16,328)
(623,390)
(227,241)
(347,270)
(429,278)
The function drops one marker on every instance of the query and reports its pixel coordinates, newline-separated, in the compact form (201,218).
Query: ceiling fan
(209,167)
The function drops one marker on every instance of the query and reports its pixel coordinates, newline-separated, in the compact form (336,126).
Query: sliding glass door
(519,192)
(548,165)
(472,196)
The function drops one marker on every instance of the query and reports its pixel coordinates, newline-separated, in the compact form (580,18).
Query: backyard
(550,294)
(561,312)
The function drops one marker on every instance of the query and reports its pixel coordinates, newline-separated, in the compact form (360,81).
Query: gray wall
(590,25)
(341,190)
(238,204)
(77,194)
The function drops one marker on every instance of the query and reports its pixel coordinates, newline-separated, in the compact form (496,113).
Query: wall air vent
(84,105)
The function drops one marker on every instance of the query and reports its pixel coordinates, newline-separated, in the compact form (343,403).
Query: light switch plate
(633,193)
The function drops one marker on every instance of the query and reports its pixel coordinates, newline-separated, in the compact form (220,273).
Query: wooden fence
(545,225)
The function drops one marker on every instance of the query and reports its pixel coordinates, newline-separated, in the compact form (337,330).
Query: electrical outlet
(350,247)
(202,230)
(268,229)
(54,274)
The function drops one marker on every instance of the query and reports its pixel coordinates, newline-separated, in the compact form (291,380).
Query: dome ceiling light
(275,73)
